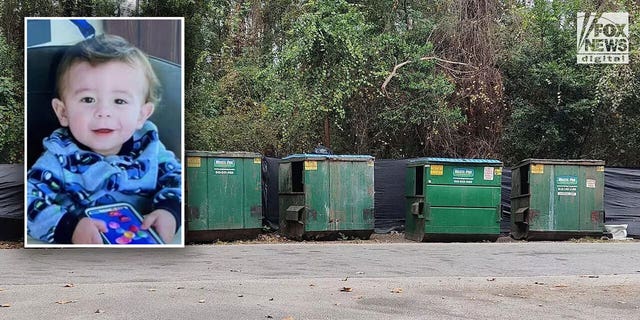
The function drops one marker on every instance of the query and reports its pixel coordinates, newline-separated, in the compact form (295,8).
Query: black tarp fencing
(621,197)
(11,201)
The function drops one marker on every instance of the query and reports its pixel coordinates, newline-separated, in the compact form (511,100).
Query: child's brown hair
(105,48)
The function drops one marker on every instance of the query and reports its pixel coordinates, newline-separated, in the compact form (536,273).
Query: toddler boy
(106,151)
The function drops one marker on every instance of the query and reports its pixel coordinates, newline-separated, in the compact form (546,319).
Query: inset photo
(104,132)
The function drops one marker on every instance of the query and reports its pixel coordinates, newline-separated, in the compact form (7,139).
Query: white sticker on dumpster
(224,166)
(567,185)
(591,183)
(488,173)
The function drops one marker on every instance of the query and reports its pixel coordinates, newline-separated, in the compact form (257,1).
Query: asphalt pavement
(332,280)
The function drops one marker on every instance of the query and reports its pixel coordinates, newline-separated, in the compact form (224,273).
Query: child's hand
(88,231)
(163,222)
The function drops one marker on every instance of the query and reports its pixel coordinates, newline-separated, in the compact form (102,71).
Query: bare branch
(442,62)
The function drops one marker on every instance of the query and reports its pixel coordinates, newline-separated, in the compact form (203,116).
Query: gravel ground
(392,237)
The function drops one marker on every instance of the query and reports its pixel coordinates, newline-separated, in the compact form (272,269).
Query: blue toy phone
(123,225)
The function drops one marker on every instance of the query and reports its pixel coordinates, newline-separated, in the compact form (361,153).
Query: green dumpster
(326,196)
(557,199)
(453,199)
(224,195)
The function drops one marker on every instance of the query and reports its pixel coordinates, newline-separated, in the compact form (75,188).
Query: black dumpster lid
(310,156)
(575,162)
(454,160)
(222,154)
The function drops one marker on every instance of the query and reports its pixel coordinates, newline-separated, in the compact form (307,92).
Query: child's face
(103,105)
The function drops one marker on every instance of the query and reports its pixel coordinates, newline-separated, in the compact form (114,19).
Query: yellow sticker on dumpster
(600,169)
(370,163)
(257,160)
(311,165)
(537,168)
(498,171)
(193,162)
(437,170)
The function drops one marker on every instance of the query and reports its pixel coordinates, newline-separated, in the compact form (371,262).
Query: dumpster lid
(575,162)
(307,156)
(222,154)
(455,160)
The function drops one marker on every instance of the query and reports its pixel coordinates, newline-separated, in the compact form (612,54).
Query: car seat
(42,64)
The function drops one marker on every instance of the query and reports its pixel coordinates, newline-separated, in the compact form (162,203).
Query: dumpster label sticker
(311,165)
(436,170)
(370,163)
(193,162)
(600,169)
(537,168)
(257,160)
(498,172)
(224,166)
(591,183)
(488,173)
(567,185)
(463,175)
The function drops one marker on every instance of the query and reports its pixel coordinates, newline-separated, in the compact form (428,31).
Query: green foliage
(561,109)
(318,69)
(11,108)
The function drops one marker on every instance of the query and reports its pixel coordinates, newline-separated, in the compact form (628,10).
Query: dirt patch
(274,237)
(11,244)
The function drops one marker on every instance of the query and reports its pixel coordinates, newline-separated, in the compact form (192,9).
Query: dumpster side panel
(462,174)
(591,198)
(458,220)
(414,225)
(252,206)
(284,177)
(564,215)
(351,195)
(225,193)
(317,195)
(520,201)
(541,186)
(196,185)
(463,196)
(288,198)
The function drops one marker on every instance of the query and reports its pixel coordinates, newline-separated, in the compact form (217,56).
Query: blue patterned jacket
(68,178)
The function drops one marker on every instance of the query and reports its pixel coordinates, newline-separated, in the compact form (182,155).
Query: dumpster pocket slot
(521,215)
(294,213)
(417,209)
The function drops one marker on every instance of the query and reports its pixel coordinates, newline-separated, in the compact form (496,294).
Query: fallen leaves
(152,290)
(69,285)
(5,305)
(201,301)
(346,289)
(99,311)
(396,290)
(66,301)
